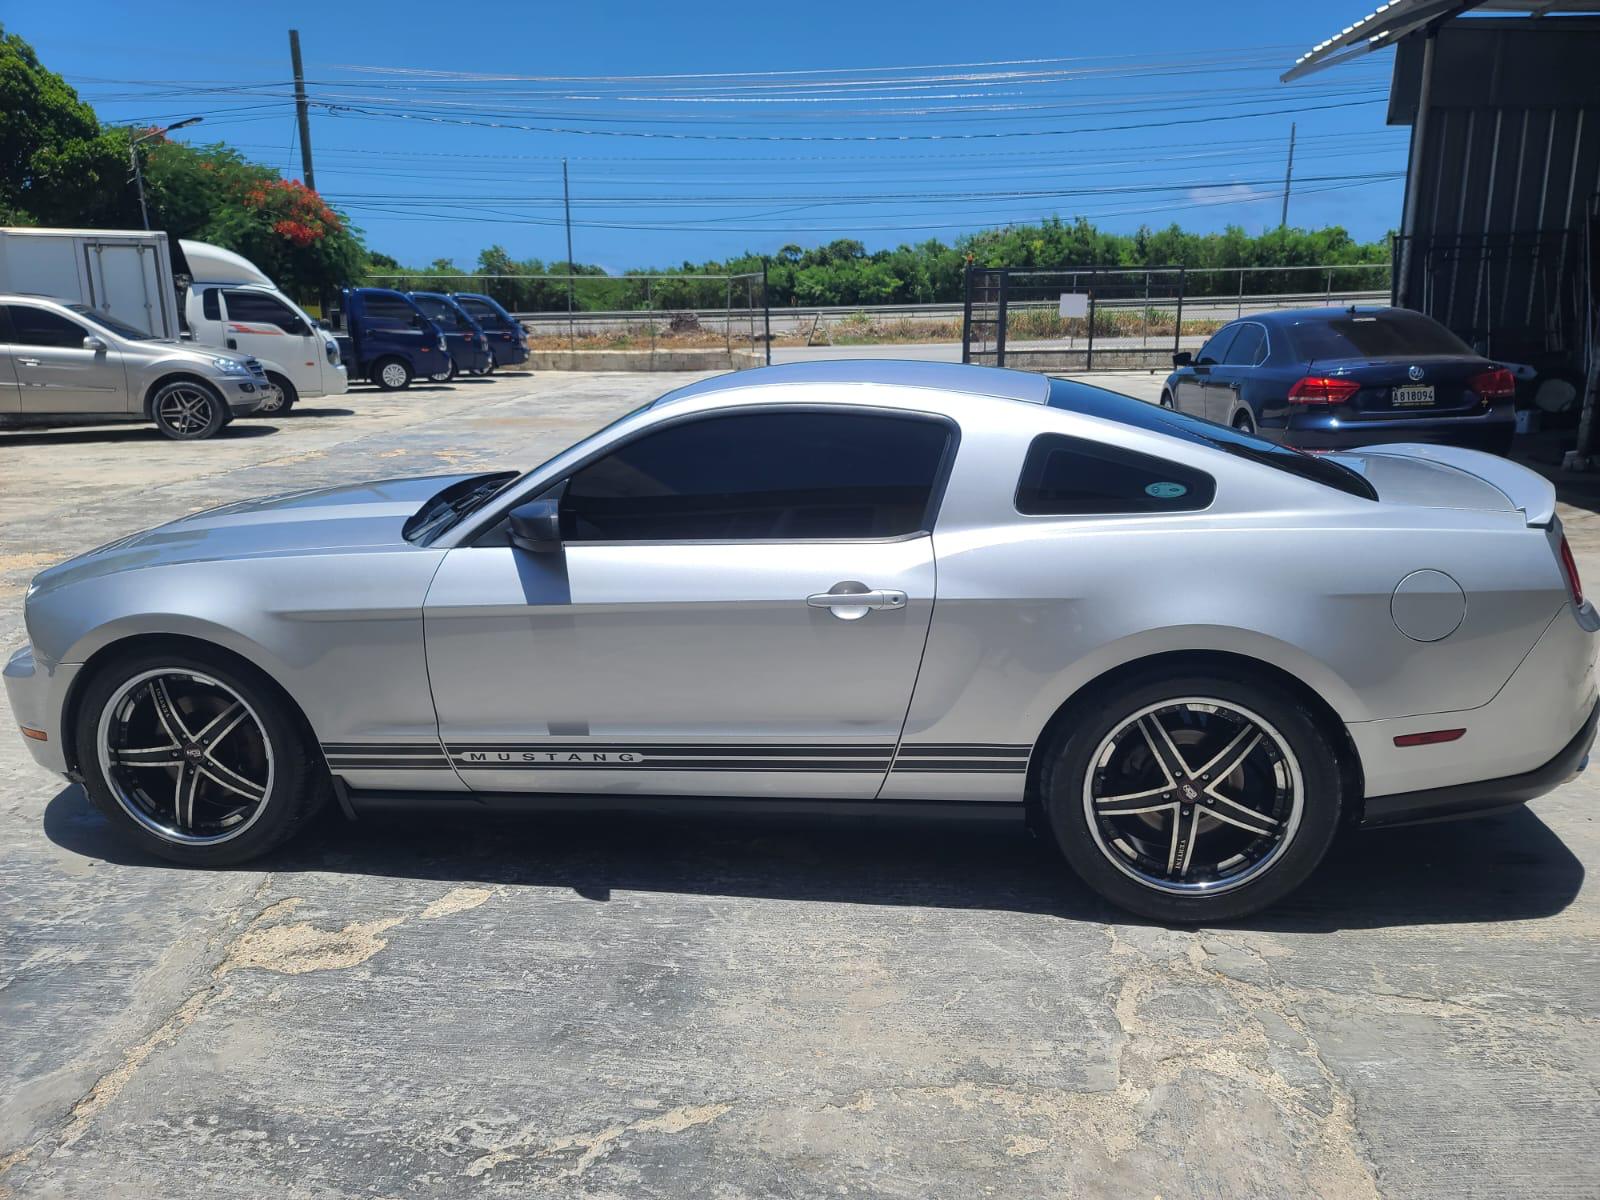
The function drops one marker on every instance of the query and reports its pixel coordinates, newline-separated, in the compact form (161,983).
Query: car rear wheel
(196,761)
(187,410)
(281,397)
(392,374)
(1193,799)
(1244,424)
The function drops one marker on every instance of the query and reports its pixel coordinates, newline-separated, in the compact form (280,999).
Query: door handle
(28,362)
(850,601)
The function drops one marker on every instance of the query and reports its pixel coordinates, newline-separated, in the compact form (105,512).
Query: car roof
(994,382)
(1296,316)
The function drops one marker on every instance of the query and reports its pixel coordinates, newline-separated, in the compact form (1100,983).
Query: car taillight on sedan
(1498,384)
(1322,389)
(1569,568)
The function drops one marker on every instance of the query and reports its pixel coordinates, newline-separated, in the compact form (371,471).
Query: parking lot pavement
(672,1008)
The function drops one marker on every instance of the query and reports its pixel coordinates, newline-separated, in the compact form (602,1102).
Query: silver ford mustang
(1188,655)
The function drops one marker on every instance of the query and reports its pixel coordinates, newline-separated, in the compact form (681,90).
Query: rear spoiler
(1532,493)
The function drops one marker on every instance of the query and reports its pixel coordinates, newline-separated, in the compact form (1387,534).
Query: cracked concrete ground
(672,1008)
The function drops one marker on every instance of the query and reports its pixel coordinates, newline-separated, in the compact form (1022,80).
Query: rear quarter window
(1066,476)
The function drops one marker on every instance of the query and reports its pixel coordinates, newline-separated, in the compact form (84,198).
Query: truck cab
(231,305)
(465,338)
(508,340)
(388,339)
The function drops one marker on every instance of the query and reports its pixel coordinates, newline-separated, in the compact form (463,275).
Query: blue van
(508,340)
(388,340)
(465,338)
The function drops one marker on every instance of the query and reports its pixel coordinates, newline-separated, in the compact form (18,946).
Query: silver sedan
(1187,655)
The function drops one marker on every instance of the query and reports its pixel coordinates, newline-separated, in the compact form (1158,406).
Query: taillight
(1498,384)
(1569,567)
(1322,389)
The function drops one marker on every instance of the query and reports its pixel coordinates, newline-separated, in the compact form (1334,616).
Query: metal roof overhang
(1390,22)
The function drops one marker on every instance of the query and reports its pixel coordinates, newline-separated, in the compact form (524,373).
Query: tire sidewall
(295,792)
(1067,767)
(219,411)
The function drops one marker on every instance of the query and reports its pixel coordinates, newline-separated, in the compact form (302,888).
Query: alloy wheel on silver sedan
(186,411)
(185,756)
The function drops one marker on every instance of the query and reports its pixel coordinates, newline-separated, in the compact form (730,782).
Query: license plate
(1420,396)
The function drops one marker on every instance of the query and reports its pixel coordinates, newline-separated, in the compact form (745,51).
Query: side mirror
(93,343)
(536,526)
(321,324)
(302,329)
(1182,358)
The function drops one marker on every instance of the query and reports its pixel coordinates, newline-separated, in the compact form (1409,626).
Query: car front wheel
(281,397)
(1193,799)
(392,374)
(197,761)
(187,410)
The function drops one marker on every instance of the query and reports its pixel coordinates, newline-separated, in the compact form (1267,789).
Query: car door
(697,632)
(1224,389)
(55,372)
(1191,396)
(260,324)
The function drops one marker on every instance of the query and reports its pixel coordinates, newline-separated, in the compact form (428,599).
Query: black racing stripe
(955,751)
(380,748)
(659,749)
(963,767)
(387,764)
(739,768)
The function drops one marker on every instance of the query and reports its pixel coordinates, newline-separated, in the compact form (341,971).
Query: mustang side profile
(1188,654)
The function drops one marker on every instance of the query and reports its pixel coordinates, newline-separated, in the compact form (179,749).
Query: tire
(391,374)
(444,376)
(1174,860)
(288,397)
(1166,400)
(1244,424)
(490,369)
(188,410)
(232,723)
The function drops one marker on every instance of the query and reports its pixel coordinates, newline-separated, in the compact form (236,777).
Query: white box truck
(216,297)
(126,274)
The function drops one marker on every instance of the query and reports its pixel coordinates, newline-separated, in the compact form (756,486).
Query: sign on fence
(1074,304)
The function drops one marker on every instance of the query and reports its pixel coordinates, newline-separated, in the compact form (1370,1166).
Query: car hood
(351,518)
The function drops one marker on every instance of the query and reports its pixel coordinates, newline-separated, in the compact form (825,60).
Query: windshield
(481,309)
(441,311)
(120,328)
(1113,406)
(1393,334)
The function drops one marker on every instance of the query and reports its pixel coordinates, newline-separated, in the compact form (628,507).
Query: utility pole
(1288,178)
(566,203)
(301,112)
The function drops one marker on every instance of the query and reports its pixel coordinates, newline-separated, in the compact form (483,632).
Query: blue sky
(696,131)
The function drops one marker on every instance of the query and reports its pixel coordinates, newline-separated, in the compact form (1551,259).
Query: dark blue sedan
(1333,378)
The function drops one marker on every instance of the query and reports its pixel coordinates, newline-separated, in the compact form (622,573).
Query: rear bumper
(1489,795)
(1491,431)
(1517,746)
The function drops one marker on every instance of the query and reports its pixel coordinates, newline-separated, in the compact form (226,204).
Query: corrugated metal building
(1495,235)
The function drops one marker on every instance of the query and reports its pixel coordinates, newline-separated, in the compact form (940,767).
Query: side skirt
(364,803)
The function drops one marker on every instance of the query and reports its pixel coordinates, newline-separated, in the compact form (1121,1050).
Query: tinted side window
(40,327)
(259,308)
(210,308)
(762,477)
(390,311)
(483,313)
(1217,346)
(1065,475)
(440,313)
(1249,347)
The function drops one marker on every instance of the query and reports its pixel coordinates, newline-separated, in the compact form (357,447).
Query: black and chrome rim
(184,409)
(185,756)
(1193,796)
(394,375)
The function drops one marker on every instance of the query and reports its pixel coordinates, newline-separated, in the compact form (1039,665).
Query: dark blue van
(388,340)
(508,341)
(467,342)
